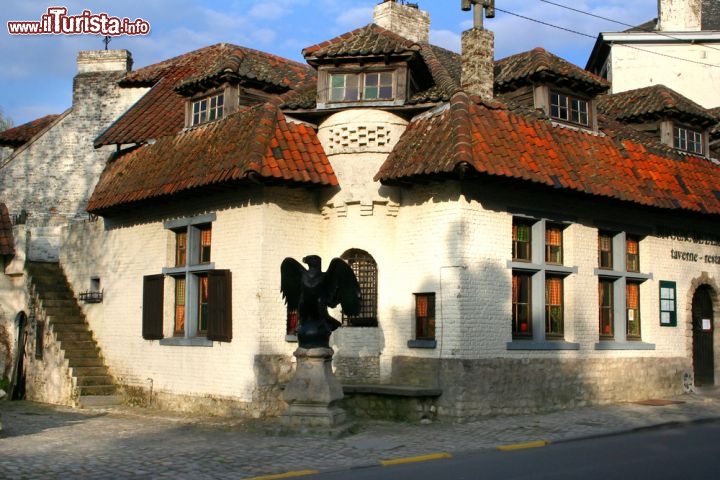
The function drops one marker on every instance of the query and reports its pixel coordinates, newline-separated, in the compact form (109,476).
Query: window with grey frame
(619,290)
(538,284)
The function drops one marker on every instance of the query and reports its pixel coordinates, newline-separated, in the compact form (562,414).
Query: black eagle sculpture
(311,291)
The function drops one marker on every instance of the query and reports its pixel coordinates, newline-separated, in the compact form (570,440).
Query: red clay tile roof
(652,103)
(540,66)
(497,142)
(17,136)
(255,142)
(371,40)
(161,111)
(7,244)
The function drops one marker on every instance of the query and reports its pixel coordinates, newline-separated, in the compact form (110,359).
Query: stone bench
(390,402)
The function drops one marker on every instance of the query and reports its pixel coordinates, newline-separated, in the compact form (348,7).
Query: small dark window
(605,250)
(425,316)
(633,310)
(633,254)
(521,321)
(554,307)
(606,305)
(521,240)
(553,244)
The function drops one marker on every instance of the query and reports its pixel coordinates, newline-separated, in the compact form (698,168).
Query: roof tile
(533,149)
(17,136)
(230,149)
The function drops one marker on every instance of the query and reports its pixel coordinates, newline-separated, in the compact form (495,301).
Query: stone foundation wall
(476,388)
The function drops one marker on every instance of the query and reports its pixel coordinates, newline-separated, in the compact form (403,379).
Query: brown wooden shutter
(219,305)
(152,315)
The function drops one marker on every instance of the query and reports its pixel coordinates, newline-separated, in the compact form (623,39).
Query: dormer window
(378,85)
(355,87)
(569,108)
(687,140)
(208,109)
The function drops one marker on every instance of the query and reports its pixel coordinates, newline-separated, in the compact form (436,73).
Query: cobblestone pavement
(44,442)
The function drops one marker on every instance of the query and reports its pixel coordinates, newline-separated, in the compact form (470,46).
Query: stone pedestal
(313,394)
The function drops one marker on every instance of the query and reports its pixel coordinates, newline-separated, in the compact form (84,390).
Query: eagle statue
(311,292)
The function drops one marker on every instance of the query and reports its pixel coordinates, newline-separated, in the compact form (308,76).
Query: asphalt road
(681,452)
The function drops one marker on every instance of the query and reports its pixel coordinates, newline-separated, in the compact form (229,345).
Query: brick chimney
(91,61)
(407,20)
(478,62)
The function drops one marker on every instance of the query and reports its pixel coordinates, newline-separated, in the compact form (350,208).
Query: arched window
(365,268)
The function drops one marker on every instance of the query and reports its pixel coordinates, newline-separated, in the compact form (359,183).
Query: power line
(593,37)
(646,30)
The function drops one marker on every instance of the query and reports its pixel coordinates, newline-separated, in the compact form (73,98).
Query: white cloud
(445,39)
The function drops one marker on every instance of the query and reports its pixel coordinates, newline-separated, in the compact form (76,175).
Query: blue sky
(37,71)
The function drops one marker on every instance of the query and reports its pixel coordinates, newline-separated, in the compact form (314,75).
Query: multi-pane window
(569,108)
(553,244)
(365,268)
(554,307)
(633,310)
(191,288)
(606,306)
(521,318)
(605,250)
(361,86)
(201,294)
(619,286)
(180,290)
(688,140)
(208,109)
(425,316)
(538,269)
(521,240)
(632,250)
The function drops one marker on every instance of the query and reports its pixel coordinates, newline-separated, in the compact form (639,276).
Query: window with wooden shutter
(152,316)
(219,306)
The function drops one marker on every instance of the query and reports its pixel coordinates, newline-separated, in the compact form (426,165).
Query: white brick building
(529,251)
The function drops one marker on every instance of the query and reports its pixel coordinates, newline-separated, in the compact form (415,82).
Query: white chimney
(90,61)
(407,20)
(680,15)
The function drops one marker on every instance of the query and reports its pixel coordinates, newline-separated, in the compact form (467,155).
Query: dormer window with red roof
(688,140)
(569,108)
(208,109)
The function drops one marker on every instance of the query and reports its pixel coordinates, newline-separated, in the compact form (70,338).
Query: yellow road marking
(296,473)
(419,458)
(521,446)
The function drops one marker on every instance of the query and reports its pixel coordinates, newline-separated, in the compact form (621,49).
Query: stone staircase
(66,321)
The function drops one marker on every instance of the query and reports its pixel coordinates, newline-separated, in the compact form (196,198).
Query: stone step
(94,380)
(69,327)
(79,371)
(92,390)
(90,401)
(59,302)
(85,362)
(78,344)
(77,353)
